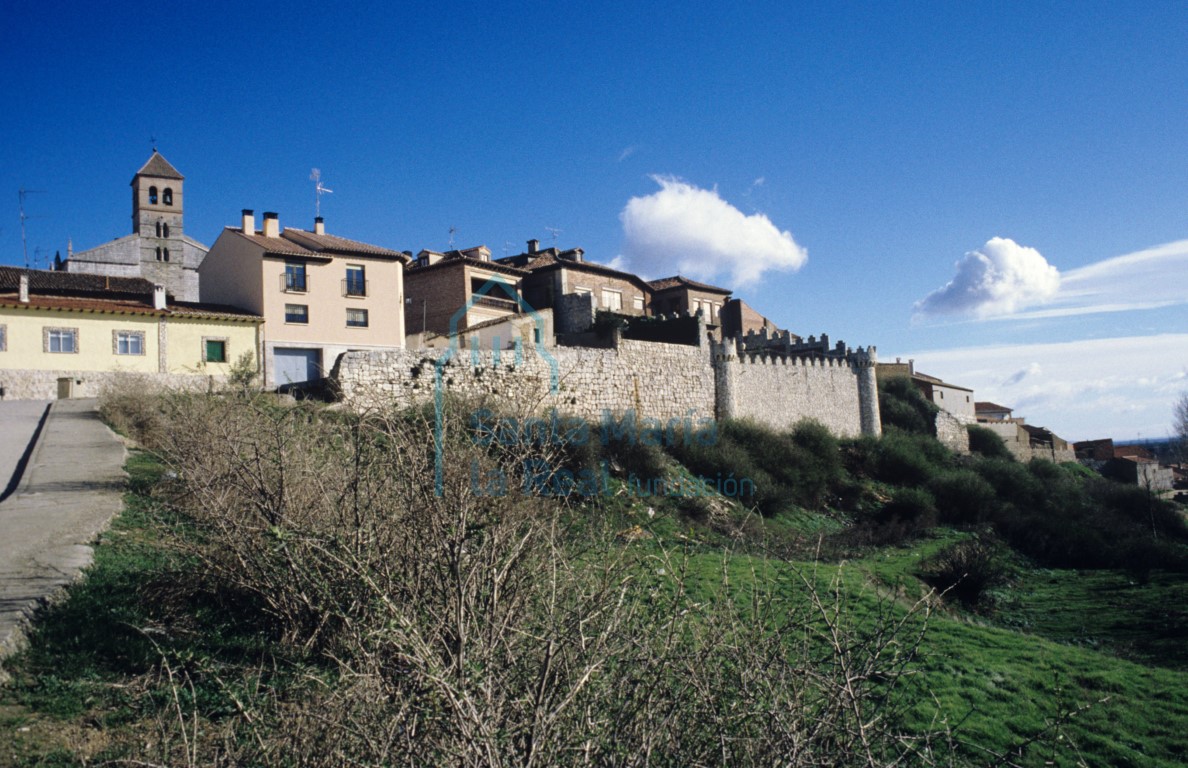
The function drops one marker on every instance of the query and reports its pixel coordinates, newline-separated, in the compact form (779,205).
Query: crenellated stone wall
(653,380)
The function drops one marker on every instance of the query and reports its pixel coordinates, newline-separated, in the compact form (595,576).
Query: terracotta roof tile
(44,281)
(665,283)
(334,244)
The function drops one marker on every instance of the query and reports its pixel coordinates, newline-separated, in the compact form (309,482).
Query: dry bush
(131,404)
(452,626)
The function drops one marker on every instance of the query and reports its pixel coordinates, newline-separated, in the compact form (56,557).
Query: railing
(354,287)
(294,283)
(497,303)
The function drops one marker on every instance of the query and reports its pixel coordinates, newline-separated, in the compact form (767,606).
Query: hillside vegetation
(479,587)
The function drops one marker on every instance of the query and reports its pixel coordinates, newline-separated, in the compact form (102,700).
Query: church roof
(158,166)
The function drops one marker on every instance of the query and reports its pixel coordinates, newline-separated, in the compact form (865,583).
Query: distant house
(553,273)
(319,294)
(680,295)
(67,335)
(1135,470)
(158,248)
(439,286)
(987,411)
(739,319)
(951,398)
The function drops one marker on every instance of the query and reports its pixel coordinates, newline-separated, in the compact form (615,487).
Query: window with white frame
(580,291)
(356,318)
(638,303)
(128,342)
(612,300)
(61,340)
(297,313)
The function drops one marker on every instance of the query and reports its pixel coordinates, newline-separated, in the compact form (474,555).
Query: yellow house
(67,335)
(319,294)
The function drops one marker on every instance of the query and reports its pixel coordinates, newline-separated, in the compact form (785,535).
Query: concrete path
(19,420)
(72,487)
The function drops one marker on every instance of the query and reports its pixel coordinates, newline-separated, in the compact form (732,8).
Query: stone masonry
(652,380)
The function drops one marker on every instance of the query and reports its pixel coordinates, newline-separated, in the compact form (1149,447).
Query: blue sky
(835,163)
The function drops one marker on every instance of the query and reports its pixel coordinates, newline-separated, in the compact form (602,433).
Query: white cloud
(1116,387)
(1147,279)
(683,229)
(999,278)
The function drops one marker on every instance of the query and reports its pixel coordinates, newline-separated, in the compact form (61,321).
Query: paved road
(72,487)
(18,422)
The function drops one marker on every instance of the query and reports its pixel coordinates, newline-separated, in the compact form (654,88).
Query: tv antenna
(554,232)
(320,189)
(506,245)
(21,194)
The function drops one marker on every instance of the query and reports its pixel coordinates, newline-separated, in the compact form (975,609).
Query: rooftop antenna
(21,194)
(554,232)
(506,245)
(315,176)
(453,231)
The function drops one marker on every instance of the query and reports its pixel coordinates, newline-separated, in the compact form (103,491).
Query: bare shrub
(130,403)
(449,624)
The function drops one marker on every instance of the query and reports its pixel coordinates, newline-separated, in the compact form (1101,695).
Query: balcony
(497,303)
(356,288)
(291,283)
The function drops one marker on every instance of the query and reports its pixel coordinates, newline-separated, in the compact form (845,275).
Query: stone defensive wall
(652,380)
(660,381)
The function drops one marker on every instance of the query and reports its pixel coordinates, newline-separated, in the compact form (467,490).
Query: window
(612,300)
(3,338)
(128,342)
(63,340)
(295,277)
(158,229)
(214,350)
(168,197)
(717,311)
(152,195)
(165,229)
(166,254)
(580,291)
(356,318)
(158,253)
(297,313)
(637,303)
(356,281)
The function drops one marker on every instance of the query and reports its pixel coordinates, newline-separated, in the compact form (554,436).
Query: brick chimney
(271,224)
(25,288)
(249,221)
(158,297)
(533,246)
(319,226)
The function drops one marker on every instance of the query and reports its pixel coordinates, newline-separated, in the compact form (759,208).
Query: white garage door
(295,366)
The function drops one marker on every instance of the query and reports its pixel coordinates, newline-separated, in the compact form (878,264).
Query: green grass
(1059,641)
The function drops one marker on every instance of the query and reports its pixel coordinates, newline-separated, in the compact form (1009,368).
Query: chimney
(319,226)
(271,224)
(533,246)
(158,297)
(25,288)
(249,221)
